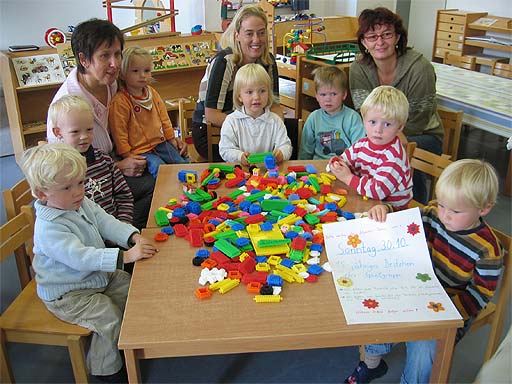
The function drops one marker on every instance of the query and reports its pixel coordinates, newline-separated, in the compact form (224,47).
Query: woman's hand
(278,155)
(244,159)
(180,145)
(132,166)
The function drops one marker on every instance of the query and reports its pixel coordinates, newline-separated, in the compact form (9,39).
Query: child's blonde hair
(474,180)
(65,105)
(228,38)
(391,102)
(330,76)
(128,54)
(42,164)
(251,74)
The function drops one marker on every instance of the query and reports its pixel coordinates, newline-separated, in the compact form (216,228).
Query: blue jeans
(419,179)
(163,153)
(419,355)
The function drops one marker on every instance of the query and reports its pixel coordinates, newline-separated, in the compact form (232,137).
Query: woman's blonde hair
(476,181)
(42,164)
(391,102)
(251,74)
(128,54)
(228,39)
(65,105)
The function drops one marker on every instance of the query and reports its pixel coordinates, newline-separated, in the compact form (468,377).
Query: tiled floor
(51,364)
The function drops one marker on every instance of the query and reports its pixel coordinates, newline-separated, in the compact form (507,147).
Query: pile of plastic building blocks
(265,233)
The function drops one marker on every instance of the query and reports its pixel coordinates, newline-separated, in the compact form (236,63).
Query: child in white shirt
(252,127)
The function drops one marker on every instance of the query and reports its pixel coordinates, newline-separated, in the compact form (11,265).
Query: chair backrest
(16,236)
(431,164)
(186,110)
(466,62)
(502,301)
(16,197)
(213,136)
(502,70)
(294,131)
(409,148)
(452,124)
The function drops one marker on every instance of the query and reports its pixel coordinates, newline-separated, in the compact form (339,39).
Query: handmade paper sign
(382,271)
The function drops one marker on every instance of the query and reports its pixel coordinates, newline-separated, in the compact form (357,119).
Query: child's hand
(378,213)
(278,155)
(341,170)
(142,249)
(244,159)
(180,146)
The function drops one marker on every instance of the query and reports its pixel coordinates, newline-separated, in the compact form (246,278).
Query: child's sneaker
(363,374)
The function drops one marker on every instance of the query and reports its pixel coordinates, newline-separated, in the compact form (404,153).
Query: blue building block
(307,236)
(266,226)
(167,230)
(242,242)
(293,196)
(270,162)
(331,206)
(274,280)
(315,269)
(310,168)
(261,259)
(348,215)
(289,209)
(182,175)
(203,253)
(291,235)
(287,263)
(254,209)
(245,205)
(194,207)
(178,212)
(316,247)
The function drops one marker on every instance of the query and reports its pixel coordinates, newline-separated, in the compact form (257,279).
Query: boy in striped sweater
(377,165)
(73,119)
(465,253)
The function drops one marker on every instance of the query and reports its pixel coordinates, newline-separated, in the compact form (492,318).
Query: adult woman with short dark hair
(97,46)
(386,59)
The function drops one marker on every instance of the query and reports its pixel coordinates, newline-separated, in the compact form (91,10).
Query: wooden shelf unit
(27,107)
(454,28)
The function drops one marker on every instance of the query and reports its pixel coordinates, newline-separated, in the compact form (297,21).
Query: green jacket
(416,78)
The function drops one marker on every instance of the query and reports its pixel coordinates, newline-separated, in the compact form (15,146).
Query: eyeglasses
(384,36)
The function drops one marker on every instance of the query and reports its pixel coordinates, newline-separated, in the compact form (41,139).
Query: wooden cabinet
(466,33)
(27,106)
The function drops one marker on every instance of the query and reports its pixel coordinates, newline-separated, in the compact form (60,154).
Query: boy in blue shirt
(78,278)
(334,127)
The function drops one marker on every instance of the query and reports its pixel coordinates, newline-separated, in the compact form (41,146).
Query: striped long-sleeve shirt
(467,263)
(107,187)
(381,172)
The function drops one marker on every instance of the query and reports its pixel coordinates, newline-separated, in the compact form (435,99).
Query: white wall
(26,21)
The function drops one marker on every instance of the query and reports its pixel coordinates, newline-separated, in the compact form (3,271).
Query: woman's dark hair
(369,18)
(89,35)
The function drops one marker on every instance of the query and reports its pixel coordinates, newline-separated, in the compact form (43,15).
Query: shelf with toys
(31,78)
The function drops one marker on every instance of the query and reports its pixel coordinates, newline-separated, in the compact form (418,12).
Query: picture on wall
(38,70)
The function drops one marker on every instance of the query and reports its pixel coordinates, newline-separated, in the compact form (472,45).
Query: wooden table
(163,318)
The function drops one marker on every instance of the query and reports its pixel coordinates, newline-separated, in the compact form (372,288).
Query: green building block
(258,158)
(272,243)
(161,218)
(271,205)
(314,182)
(222,167)
(235,193)
(311,219)
(296,255)
(227,248)
(255,196)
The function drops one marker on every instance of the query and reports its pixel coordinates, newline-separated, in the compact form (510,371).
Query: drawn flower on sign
(353,240)
(413,229)
(370,303)
(344,282)
(436,307)
(423,277)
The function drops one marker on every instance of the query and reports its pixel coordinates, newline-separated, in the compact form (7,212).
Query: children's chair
(502,70)
(27,320)
(213,134)
(452,124)
(186,110)
(294,130)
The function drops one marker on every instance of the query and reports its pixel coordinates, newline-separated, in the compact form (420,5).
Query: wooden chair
(466,62)
(502,70)
(452,124)
(186,111)
(27,320)
(294,130)
(14,199)
(213,135)
(495,313)
(431,164)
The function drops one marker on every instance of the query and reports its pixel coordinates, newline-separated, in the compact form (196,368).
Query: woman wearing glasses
(386,60)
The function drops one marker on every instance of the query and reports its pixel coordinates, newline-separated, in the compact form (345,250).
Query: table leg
(508,180)
(132,366)
(443,359)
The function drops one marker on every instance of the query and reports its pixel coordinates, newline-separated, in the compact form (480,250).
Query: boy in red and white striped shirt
(377,165)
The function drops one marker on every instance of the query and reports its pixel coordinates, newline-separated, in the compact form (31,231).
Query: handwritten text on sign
(382,271)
